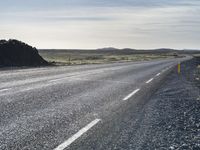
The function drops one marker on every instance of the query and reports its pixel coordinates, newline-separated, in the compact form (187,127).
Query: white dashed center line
(131,94)
(55,80)
(3,90)
(158,74)
(149,80)
(77,135)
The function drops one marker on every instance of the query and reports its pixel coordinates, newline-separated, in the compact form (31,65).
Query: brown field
(73,57)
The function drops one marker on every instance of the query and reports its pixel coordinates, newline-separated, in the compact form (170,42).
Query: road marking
(149,80)
(3,90)
(55,80)
(77,135)
(164,70)
(131,94)
(158,74)
(77,75)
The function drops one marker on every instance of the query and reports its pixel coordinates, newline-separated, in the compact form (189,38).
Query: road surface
(77,107)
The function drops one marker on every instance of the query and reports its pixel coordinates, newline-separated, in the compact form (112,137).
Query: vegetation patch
(74,57)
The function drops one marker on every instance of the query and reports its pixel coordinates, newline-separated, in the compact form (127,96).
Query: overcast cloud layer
(102,23)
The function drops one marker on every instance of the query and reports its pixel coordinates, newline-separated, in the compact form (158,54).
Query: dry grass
(65,57)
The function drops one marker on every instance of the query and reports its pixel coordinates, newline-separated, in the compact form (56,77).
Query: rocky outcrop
(17,53)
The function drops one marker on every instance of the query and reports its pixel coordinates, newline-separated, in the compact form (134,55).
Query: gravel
(172,118)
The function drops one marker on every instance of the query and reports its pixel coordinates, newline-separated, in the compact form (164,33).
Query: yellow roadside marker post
(179,68)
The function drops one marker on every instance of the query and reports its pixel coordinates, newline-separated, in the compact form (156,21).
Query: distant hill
(107,49)
(17,53)
(130,51)
(145,51)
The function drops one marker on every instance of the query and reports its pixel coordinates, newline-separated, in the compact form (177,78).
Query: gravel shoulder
(171,119)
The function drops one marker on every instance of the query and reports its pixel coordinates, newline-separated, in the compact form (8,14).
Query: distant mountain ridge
(17,53)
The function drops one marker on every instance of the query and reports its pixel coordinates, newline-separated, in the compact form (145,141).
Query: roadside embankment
(172,117)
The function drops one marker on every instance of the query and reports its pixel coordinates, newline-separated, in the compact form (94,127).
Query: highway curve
(72,107)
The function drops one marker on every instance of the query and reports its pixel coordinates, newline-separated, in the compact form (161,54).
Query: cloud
(102,23)
(9,5)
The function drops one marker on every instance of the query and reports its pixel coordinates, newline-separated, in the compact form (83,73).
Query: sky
(90,24)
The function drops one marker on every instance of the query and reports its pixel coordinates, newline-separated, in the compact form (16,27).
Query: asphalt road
(78,107)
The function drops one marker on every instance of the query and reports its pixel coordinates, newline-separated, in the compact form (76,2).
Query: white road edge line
(131,94)
(77,135)
(3,90)
(165,69)
(158,74)
(149,80)
(55,80)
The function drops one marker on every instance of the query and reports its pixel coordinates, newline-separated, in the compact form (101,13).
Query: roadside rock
(14,53)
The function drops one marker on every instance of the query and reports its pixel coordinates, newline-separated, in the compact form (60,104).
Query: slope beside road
(169,119)
(57,107)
